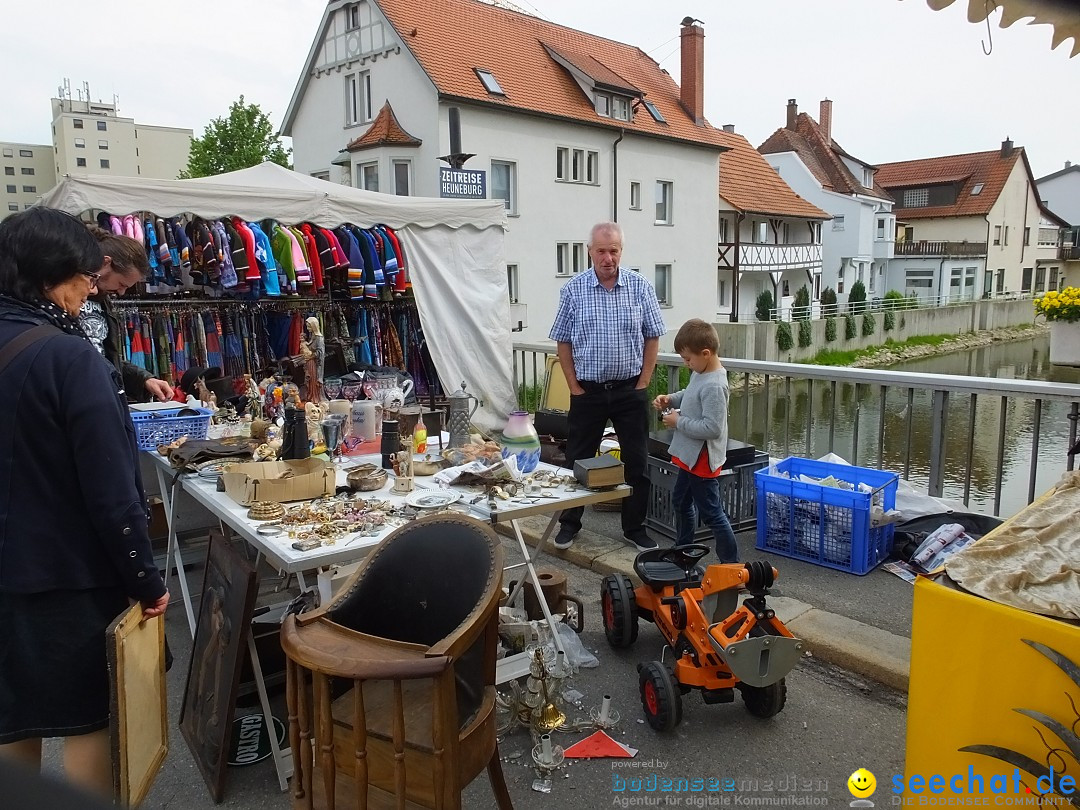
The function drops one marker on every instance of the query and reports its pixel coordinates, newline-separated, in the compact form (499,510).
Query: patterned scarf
(42,309)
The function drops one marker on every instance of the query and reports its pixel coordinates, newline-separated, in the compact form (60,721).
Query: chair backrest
(422,582)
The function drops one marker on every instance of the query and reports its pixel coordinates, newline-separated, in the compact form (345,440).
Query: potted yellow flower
(1062,311)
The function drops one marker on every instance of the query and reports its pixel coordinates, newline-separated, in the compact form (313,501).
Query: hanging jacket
(248,238)
(282,246)
(313,257)
(183,244)
(300,261)
(265,257)
(238,253)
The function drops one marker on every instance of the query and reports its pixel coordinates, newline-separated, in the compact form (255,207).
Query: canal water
(786,420)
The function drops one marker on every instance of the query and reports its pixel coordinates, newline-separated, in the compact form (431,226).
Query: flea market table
(324,561)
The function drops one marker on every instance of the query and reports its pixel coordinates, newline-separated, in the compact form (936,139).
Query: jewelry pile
(324,521)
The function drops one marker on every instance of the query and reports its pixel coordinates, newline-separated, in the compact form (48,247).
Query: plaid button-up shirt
(607,328)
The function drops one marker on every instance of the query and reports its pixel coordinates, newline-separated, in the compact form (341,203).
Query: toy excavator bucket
(756,660)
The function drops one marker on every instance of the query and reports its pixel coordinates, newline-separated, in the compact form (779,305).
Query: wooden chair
(391,686)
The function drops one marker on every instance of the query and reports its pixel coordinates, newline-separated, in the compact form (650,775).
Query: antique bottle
(459,416)
(520,440)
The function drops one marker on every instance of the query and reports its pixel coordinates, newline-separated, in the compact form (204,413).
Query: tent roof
(269,190)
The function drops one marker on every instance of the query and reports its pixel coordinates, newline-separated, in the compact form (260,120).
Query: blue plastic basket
(154,428)
(824,525)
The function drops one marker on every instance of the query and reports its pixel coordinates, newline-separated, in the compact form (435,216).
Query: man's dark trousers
(627,408)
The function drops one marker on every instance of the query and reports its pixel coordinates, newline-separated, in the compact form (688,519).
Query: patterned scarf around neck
(43,308)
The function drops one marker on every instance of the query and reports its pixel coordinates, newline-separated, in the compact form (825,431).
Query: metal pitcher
(459,416)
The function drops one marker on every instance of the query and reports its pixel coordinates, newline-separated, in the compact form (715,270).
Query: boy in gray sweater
(698,414)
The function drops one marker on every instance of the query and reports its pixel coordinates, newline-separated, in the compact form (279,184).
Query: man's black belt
(609,385)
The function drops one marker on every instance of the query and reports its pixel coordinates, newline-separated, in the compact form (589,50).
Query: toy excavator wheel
(659,696)
(619,610)
(764,701)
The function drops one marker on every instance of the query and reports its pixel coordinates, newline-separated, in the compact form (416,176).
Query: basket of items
(155,428)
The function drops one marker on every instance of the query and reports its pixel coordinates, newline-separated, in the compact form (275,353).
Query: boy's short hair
(696,336)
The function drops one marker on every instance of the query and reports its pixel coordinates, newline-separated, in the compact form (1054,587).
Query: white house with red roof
(569,129)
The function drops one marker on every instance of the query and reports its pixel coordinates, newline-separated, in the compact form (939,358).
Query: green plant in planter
(764,305)
(784,340)
(828,301)
(801,306)
(830,330)
(856,300)
(806,333)
(868,325)
(849,327)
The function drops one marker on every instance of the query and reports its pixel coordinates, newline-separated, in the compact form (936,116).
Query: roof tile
(989,168)
(384,131)
(749,183)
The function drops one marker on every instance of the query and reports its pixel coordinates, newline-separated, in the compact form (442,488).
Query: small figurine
(206,398)
(313,348)
(403,483)
(313,416)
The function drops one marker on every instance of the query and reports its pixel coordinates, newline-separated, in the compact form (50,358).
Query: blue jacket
(72,507)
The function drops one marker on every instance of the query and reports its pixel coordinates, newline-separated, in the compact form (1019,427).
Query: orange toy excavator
(718,645)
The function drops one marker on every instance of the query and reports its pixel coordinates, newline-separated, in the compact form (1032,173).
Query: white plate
(431,498)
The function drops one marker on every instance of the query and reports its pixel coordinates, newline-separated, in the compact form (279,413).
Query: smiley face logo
(861,784)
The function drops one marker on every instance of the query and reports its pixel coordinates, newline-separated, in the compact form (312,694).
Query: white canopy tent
(454,250)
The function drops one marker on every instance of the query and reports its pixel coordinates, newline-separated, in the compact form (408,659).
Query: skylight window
(976,189)
(655,113)
(490,83)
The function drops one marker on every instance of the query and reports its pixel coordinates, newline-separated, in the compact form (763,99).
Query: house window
(868,178)
(815,233)
(840,279)
(610,105)
(1040,280)
(635,195)
(321,176)
(997,234)
(663,284)
(655,113)
(1025,281)
(1027,236)
(76,123)
(491,84)
(30,189)
(13,207)
(102,144)
(12,189)
(357,98)
(592,167)
(909,233)
(104,163)
(1000,286)
(9,152)
(817,287)
(512,282)
(80,143)
(1048,237)
(916,198)
(1006,240)
(352,17)
(369,176)
(881,228)
(976,189)
(785,234)
(721,293)
(570,258)
(402,175)
(101,125)
(1054,285)
(562,163)
(838,222)
(79,162)
(26,153)
(722,234)
(9,170)
(603,105)
(503,184)
(786,289)
(27,171)
(577,165)
(664,191)
(761,233)
(579,253)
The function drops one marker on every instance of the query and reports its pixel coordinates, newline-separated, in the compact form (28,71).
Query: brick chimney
(792,113)
(693,69)
(1007,147)
(825,120)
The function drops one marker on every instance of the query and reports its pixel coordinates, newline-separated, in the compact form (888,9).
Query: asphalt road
(833,724)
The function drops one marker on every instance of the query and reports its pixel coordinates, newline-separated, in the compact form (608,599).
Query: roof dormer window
(612,105)
(977,188)
(655,113)
(491,84)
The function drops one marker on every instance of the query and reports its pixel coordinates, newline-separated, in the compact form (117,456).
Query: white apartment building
(92,138)
(568,128)
(28,172)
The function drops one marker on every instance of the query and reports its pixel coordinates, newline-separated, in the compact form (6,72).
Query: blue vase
(521,441)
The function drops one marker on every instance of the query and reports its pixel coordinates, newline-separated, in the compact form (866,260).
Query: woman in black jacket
(74,547)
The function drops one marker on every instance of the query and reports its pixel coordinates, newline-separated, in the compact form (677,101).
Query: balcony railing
(777,258)
(924,248)
(1068,253)
(953,436)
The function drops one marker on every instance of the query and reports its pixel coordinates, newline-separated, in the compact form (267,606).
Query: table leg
(169,495)
(282,759)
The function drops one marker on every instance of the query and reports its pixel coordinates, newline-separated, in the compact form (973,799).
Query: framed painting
(229,589)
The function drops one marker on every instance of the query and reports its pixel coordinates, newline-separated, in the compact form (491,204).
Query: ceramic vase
(1065,343)
(521,441)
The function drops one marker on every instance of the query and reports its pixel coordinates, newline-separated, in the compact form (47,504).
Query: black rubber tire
(660,699)
(764,701)
(619,610)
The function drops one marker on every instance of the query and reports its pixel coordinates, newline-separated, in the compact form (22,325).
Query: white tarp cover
(454,249)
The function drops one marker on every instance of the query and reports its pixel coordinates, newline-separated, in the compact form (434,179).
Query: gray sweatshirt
(703,418)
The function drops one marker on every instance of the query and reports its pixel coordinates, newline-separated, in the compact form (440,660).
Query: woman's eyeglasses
(93,277)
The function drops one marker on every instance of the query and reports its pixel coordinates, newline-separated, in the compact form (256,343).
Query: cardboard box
(263,481)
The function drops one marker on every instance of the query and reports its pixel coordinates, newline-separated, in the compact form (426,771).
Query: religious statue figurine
(251,389)
(403,469)
(313,416)
(313,348)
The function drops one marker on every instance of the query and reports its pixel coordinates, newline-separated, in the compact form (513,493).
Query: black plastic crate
(737,494)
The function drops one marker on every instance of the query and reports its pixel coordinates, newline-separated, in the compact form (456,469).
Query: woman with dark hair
(125,265)
(74,547)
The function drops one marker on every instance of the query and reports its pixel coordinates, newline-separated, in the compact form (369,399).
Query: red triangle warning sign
(599,745)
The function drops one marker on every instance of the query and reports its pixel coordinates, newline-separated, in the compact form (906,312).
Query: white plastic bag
(576,654)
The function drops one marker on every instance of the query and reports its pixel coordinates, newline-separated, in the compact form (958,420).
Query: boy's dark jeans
(628,410)
(693,496)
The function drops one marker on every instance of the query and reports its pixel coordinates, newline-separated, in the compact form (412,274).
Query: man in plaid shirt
(608,328)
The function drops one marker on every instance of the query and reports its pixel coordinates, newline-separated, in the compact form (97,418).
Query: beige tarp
(1063,15)
(1032,561)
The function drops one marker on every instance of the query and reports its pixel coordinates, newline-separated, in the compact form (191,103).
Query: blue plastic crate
(821,524)
(154,428)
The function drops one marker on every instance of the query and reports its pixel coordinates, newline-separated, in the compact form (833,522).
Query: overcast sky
(906,82)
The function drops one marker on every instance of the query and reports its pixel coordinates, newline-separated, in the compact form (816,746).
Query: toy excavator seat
(676,566)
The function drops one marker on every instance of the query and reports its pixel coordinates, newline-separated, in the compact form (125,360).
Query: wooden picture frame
(138,719)
(230,586)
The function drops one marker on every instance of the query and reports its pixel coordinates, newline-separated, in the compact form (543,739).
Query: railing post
(939,410)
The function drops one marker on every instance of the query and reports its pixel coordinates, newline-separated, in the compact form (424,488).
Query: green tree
(856,300)
(806,334)
(784,340)
(246,138)
(889,322)
(868,325)
(849,327)
(801,306)
(828,301)
(830,329)
(764,306)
